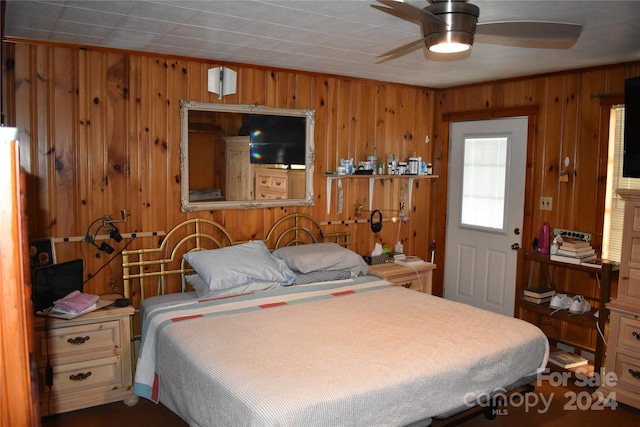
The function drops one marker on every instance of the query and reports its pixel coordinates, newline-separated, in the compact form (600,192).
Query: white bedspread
(352,354)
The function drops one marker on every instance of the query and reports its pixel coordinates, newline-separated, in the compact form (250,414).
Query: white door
(485,212)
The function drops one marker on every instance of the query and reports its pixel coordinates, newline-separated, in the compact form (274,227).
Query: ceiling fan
(450,27)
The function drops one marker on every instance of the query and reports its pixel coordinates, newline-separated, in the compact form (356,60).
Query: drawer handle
(635,374)
(264,181)
(278,183)
(78,340)
(407,285)
(636,335)
(80,377)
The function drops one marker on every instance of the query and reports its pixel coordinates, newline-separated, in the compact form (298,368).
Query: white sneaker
(579,305)
(560,302)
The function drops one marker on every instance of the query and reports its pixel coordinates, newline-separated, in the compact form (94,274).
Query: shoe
(579,305)
(560,302)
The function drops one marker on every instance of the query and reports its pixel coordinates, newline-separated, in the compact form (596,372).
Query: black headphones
(376,226)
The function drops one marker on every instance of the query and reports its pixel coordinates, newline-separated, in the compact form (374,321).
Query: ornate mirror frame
(188,205)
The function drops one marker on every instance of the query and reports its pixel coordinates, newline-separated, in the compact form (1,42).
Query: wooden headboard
(161,270)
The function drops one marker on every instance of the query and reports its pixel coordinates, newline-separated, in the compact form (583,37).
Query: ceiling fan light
(449,47)
(449,41)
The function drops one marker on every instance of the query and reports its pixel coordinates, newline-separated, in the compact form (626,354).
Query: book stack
(574,252)
(539,295)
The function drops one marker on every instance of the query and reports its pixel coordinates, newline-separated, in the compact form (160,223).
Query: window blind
(614,206)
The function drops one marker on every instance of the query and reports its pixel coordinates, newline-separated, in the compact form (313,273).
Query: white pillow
(321,256)
(237,265)
(202,289)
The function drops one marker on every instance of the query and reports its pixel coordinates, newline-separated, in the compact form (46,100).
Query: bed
(332,349)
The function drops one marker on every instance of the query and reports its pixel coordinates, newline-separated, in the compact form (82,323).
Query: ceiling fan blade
(538,34)
(397,14)
(409,13)
(401,51)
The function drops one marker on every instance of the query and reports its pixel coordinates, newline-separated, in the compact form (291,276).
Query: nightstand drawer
(627,370)
(629,334)
(410,281)
(87,375)
(76,343)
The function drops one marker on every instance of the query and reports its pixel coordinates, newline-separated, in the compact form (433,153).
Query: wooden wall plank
(25,122)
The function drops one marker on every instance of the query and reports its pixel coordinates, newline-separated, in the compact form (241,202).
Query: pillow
(202,289)
(237,265)
(321,276)
(321,256)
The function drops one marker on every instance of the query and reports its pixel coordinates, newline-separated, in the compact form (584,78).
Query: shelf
(372,179)
(542,264)
(588,319)
(545,258)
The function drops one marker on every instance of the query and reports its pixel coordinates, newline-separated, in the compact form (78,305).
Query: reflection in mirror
(245,156)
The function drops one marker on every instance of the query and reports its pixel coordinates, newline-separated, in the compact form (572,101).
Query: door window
(484,189)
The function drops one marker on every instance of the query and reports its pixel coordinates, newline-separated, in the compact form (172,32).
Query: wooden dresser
(623,352)
(417,277)
(279,184)
(271,184)
(90,357)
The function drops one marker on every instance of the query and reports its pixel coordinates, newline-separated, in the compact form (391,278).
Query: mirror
(245,156)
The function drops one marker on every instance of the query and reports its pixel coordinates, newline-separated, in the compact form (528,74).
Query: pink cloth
(76,302)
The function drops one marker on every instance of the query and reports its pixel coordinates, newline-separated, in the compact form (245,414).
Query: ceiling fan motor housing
(461,18)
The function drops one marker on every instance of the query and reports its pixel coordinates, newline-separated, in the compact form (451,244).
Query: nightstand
(91,360)
(417,277)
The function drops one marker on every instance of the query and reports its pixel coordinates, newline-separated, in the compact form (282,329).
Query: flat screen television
(631,156)
(277,139)
(55,281)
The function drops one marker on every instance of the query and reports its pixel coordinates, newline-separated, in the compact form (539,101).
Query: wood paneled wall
(568,125)
(100,132)
(571,121)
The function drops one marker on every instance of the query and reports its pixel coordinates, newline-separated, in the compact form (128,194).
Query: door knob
(515,246)
(516,231)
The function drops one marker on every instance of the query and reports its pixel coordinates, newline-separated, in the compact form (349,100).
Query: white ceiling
(341,37)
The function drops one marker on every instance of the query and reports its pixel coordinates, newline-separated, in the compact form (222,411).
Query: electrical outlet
(546,203)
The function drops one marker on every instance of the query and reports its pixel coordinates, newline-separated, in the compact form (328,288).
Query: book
(565,359)
(541,292)
(579,254)
(575,245)
(535,300)
(597,263)
(410,260)
(566,259)
(61,314)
